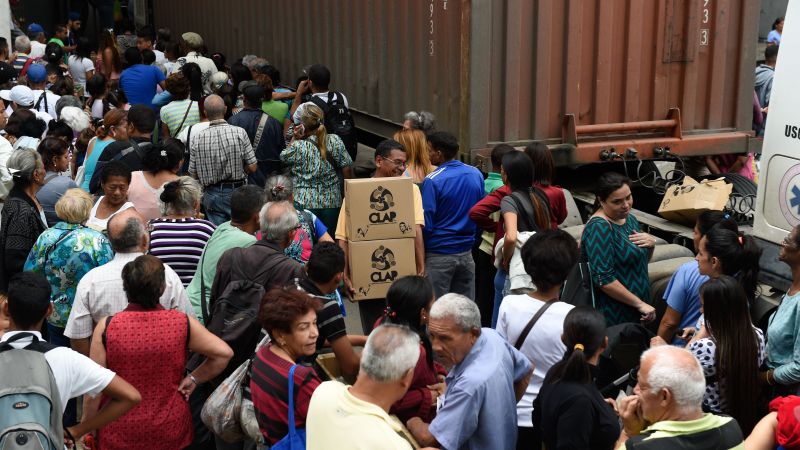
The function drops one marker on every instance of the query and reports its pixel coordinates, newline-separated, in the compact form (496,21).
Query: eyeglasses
(396,162)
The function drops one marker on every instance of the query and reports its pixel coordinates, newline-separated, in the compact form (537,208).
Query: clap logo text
(382,261)
(381,201)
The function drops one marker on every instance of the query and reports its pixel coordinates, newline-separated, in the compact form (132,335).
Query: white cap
(5,94)
(22,95)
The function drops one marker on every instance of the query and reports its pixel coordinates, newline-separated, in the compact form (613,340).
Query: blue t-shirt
(448,193)
(774,36)
(479,405)
(683,295)
(139,83)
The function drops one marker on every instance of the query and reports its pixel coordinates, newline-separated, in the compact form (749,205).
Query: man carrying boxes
(380,230)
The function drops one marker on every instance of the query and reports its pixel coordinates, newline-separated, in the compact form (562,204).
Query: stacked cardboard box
(380,220)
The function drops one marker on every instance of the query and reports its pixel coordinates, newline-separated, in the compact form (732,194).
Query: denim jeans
(501,289)
(451,273)
(217,203)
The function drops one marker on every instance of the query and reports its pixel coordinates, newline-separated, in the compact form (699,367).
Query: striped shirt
(19,61)
(316,184)
(179,244)
(172,114)
(269,390)
(220,153)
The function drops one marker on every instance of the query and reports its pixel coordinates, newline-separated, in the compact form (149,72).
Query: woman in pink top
(108,60)
(161,165)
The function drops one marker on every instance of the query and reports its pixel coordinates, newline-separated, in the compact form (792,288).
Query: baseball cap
(35,28)
(192,39)
(37,73)
(7,73)
(74,15)
(22,95)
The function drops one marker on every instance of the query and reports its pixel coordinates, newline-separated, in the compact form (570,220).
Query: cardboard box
(683,203)
(379,208)
(375,265)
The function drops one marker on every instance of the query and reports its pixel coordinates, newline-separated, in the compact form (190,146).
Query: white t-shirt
(543,345)
(75,374)
(160,58)
(78,68)
(5,152)
(37,49)
(51,100)
(196,129)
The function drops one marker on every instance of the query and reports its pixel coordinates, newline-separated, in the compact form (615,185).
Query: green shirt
(277,110)
(225,237)
(708,432)
(57,41)
(492,183)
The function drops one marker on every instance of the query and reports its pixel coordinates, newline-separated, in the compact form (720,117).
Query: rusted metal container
(677,73)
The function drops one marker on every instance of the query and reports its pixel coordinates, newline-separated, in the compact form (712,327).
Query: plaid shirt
(220,153)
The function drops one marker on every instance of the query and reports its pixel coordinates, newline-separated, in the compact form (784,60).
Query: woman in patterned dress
(618,253)
(147,345)
(313,158)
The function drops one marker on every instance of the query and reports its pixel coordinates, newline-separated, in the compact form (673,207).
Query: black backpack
(234,315)
(339,121)
(140,149)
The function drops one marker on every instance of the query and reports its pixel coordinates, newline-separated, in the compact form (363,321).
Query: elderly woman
(114,181)
(147,346)
(280,188)
(161,164)
(313,157)
(783,332)
(65,253)
(290,318)
(182,112)
(22,219)
(618,253)
(56,161)
(179,236)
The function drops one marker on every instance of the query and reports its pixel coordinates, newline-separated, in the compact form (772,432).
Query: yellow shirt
(419,214)
(337,419)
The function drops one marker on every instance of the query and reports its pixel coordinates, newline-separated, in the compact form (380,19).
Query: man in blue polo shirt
(448,193)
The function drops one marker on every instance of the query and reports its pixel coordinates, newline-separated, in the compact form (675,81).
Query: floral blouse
(64,254)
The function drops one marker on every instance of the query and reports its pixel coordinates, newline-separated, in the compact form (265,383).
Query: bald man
(666,410)
(100,293)
(221,158)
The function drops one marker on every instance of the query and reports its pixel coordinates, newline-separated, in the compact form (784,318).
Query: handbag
(295,439)
(229,410)
(578,289)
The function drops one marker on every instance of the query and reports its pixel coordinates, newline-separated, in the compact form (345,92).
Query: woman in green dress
(618,253)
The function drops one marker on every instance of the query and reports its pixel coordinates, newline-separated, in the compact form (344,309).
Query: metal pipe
(626,126)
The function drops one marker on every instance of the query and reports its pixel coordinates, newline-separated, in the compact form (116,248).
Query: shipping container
(593,75)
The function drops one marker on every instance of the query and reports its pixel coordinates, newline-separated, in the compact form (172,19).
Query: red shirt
(269,389)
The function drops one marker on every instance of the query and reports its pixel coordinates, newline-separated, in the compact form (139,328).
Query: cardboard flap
(683,203)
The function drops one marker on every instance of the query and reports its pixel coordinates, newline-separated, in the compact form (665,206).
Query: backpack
(30,405)
(339,121)
(94,183)
(234,315)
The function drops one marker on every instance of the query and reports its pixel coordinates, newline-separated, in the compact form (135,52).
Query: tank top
(91,161)
(143,196)
(153,362)
(102,224)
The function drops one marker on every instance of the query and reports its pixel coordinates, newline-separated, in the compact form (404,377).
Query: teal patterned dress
(64,254)
(612,256)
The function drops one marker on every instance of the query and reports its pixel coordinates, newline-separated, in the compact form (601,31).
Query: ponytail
(322,136)
(738,254)
(541,211)
(584,334)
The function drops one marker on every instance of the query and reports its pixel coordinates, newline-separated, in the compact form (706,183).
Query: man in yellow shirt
(357,417)
(390,161)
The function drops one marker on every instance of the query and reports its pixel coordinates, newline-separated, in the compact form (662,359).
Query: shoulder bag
(296,438)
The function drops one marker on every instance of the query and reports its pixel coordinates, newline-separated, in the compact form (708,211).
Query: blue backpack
(30,406)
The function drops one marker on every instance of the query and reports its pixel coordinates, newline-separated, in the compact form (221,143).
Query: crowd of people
(173,226)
